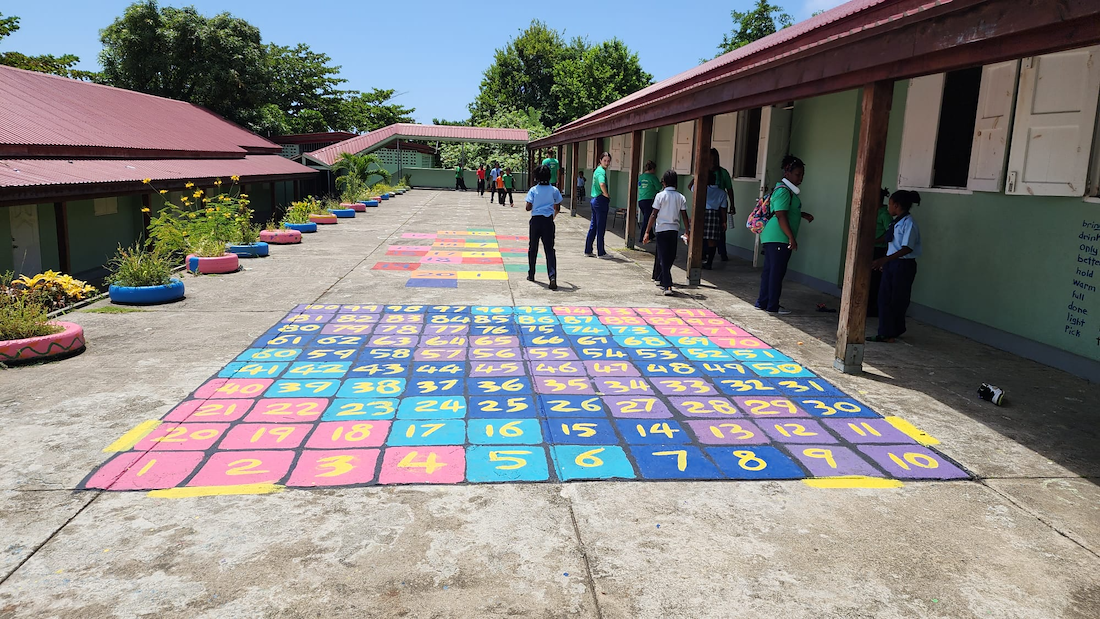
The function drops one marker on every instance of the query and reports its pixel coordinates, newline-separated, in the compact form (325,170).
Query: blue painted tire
(146,295)
(343,213)
(252,250)
(310,227)
(385,196)
(370,202)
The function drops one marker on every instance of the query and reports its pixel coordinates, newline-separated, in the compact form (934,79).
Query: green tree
(749,26)
(217,62)
(507,155)
(599,75)
(353,173)
(366,111)
(57,65)
(304,87)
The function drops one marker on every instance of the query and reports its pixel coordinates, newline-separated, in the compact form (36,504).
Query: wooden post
(561,168)
(573,179)
(64,259)
(632,199)
(866,198)
(703,128)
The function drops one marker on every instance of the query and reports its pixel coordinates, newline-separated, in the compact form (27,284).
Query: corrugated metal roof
(47,110)
(37,172)
(445,133)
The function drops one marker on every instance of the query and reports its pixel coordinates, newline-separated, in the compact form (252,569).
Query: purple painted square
(767,407)
(495,341)
(359,309)
(806,431)
(611,368)
(346,329)
(912,462)
(684,386)
(490,369)
(623,386)
(856,430)
(440,354)
(556,368)
(441,260)
(542,353)
(447,330)
(721,432)
(563,385)
(393,341)
(308,317)
(706,406)
(496,354)
(832,461)
(637,407)
(432,283)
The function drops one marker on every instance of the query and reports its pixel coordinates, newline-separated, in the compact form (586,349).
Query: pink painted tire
(281,237)
(225,263)
(323,220)
(67,342)
(358,207)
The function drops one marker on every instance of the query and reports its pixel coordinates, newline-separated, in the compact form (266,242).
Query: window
(739,138)
(682,143)
(951,164)
(723,136)
(105,206)
(748,144)
(615,147)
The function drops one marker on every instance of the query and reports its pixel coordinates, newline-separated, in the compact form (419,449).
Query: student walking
(493,174)
(460,179)
(779,238)
(544,202)
(481,180)
(669,208)
(713,231)
(898,266)
(648,187)
(580,186)
(500,187)
(601,200)
(509,185)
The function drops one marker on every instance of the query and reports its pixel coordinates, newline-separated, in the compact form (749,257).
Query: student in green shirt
(601,200)
(648,186)
(725,183)
(509,185)
(779,238)
(460,179)
(882,224)
(554,166)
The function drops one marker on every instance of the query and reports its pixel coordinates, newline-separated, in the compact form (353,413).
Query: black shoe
(553,284)
(530,278)
(725,258)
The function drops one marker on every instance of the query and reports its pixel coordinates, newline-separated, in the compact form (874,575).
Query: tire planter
(225,263)
(324,220)
(67,342)
(343,213)
(385,196)
(301,228)
(371,203)
(250,250)
(358,207)
(281,237)
(393,195)
(377,198)
(147,295)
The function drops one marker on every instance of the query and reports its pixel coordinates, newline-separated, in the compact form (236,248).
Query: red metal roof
(330,137)
(444,133)
(37,172)
(48,115)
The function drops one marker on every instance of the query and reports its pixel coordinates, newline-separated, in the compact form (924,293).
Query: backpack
(761,213)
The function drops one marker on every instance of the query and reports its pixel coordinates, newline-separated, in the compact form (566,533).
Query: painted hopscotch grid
(438,260)
(350,395)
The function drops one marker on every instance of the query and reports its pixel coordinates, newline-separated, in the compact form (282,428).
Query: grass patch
(111,309)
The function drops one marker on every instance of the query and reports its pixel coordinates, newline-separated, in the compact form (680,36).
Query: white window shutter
(628,150)
(1053,127)
(683,141)
(590,154)
(918,133)
(987,155)
(765,131)
(616,150)
(722,138)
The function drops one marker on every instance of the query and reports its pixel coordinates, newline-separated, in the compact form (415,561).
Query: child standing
(669,208)
(648,186)
(882,224)
(493,174)
(580,186)
(481,180)
(500,187)
(899,267)
(544,202)
(713,230)
(779,238)
(509,185)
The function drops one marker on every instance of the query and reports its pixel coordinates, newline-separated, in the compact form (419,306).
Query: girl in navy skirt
(899,267)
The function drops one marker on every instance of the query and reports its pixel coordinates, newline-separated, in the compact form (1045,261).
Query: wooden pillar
(632,183)
(61,215)
(561,168)
(576,165)
(703,128)
(866,198)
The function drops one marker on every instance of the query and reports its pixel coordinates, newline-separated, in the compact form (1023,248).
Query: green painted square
(522,268)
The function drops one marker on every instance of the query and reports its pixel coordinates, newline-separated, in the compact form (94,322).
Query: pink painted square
(441,260)
(209,410)
(145,471)
(347,467)
(348,434)
(654,311)
(265,436)
(423,465)
(738,342)
(710,321)
(729,331)
(286,410)
(695,313)
(232,387)
(571,310)
(235,468)
(614,311)
(680,331)
(182,437)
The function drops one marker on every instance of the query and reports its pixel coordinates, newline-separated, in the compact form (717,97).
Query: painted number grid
(348,395)
(443,258)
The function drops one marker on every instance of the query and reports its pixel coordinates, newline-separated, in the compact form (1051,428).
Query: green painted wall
(47,238)
(6,258)
(94,239)
(259,196)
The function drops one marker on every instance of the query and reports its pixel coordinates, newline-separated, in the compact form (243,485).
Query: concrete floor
(1022,540)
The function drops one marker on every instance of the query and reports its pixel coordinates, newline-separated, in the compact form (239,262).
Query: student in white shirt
(669,208)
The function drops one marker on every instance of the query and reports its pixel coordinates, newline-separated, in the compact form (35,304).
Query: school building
(987,108)
(74,155)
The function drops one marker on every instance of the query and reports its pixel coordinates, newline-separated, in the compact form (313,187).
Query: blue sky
(433,53)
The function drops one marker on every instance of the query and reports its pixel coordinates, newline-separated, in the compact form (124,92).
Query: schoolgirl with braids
(899,267)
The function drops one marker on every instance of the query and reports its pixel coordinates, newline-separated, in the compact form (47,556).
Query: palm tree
(354,171)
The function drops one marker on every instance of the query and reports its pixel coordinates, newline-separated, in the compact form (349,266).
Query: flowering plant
(203,222)
(51,290)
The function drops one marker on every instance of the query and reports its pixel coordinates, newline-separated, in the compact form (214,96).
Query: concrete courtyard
(1020,540)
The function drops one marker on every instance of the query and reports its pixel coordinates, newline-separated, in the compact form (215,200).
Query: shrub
(23,317)
(206,246)
(202,221)
(247,234)
(299,211)
(51,290)
(140,266)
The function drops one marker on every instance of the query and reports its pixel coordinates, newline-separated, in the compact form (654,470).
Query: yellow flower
(218,182)
(146,180)
(163,191)
(244,195)
(198,193)
(145,210)
(235,178)
(189,185)
(191,215)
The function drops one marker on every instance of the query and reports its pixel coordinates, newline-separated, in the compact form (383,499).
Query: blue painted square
(643,341)
(304,388)
(427,432)
(806,388)
(771,369)
(835,407)
(284,329)
(309,369)
(325,355)
(492,310)
(590,329)
(601,353)
(504,431)
(571,406)
(269,354)
(673,462)
(540,329)
(431,283)
(700,353)
(692,341)
(506,463)
(378,369)
(448,309)
(440,369)
(435,386)
(499,407)
(447,407)
(372,387)
(492,320)
(515,385)
(745,386)
(231,368)
(396,355)
(241,369)
(652,431)
(760,354)
(635,330)
(533,309)
(591,462)
(603,341)
(754,462)
(478,330)
(342,341)
(667,369)
(579,431)
(579,320)
(532,319)
(355,409)
(283,340)
(724,369)
(655,354)
(544,340)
